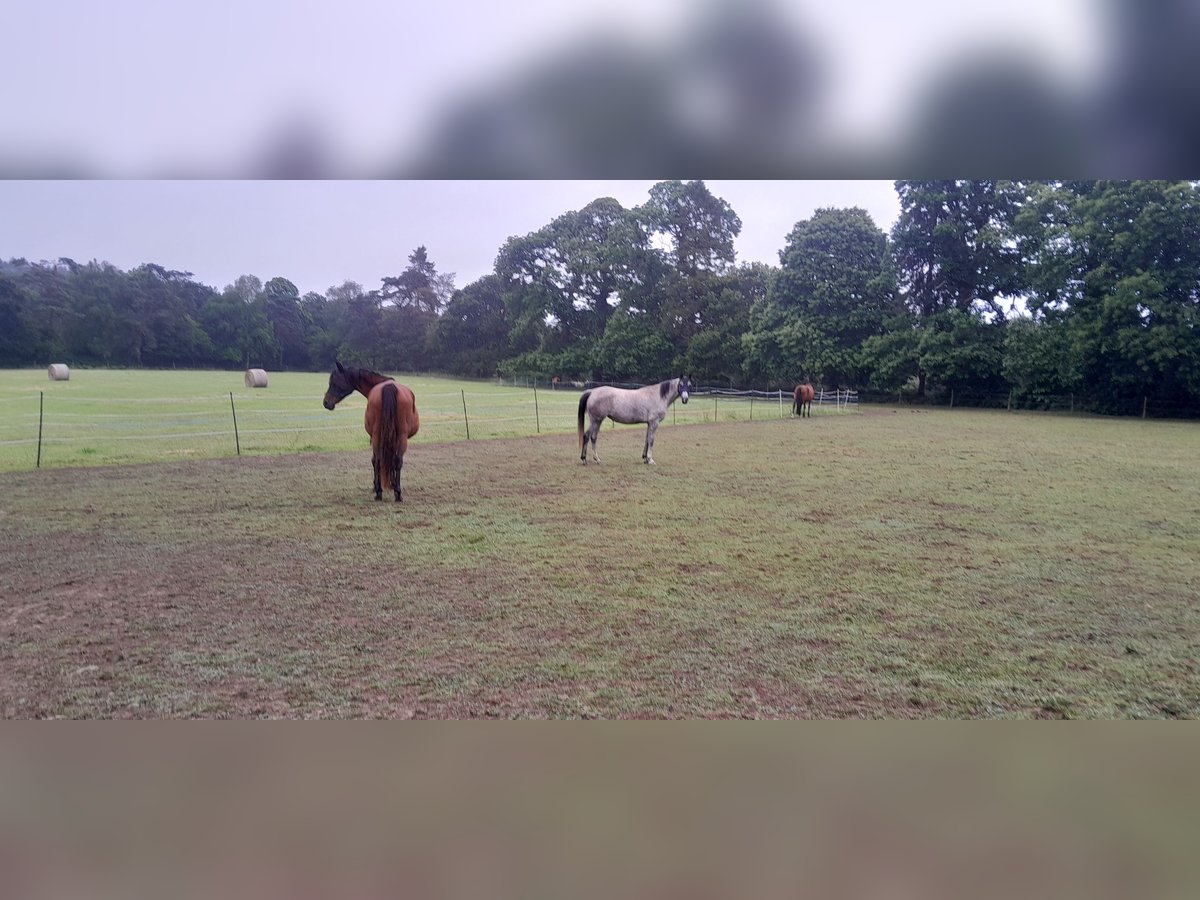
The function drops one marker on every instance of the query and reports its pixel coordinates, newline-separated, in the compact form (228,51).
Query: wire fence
(55,428)
(1142,406)
(111,417)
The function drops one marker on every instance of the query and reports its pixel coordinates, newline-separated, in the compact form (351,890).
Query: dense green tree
(632,348)
(160,317)
(836,279)
(781,348)
(954,245)
(18,343)
(98,314)
(714,351)
(894,357)
(418,286)
(1136,317)
(1040,357)
(565,280)
(280,304)
(238,331)
(698,228)
(471,337)
(963,354)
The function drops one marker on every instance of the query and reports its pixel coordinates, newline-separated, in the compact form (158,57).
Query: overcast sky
(321,233)
(141,88)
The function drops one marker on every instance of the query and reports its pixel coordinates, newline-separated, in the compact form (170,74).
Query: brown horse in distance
(391,419)
(802,399)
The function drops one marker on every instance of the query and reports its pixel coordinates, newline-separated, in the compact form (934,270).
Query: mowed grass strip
(888,564)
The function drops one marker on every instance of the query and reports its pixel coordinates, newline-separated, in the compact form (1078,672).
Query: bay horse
(802,399)
(391,419)
(648,404)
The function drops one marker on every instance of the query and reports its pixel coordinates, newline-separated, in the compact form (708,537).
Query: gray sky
(321,233)
(139,88)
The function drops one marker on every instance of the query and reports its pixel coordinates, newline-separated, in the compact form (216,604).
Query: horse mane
(371,376)
(664,388)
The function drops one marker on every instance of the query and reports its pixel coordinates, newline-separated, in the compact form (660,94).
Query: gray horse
(648,404)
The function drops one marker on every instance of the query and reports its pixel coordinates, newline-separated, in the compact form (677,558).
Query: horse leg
(592,434)
(375,466)
(648,455)
(398,462)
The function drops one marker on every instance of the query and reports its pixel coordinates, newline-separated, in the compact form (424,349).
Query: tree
(955,248)
(780,348)
(961,352)
(631,349)
(419,286)
(698,227)
(161,317)
(239,332)
(714,350)
(471,337)
(18,342)
(836,280)
(564,280)
(1134,255)
(280,302)
(95,327)
(1040,359)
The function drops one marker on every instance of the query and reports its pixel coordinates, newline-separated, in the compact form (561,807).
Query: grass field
(110,416)
(886,564)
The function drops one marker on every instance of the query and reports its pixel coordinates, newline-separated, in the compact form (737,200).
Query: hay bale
(256,378)
(59,372)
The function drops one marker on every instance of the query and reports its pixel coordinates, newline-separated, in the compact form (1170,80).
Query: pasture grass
(119,416)
(945,563)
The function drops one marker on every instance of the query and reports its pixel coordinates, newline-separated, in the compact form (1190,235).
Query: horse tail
(582,412)
(388,445)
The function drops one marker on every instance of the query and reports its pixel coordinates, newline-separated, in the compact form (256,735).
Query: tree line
(982,289)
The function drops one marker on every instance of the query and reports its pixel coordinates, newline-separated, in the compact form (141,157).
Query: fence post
(537,421)
(714,408)
(952,398)
(781,403)
(41,407)
(467,421)
(237,441)
(1010,393)
(751,409)
(1143,407)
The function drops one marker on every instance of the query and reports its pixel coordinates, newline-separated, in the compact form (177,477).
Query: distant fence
(1127,405)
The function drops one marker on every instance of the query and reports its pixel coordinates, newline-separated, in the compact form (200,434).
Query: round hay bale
(256,378)
(59,372)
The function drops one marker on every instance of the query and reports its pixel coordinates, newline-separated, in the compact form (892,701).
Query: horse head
(341,385)
(685,385)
